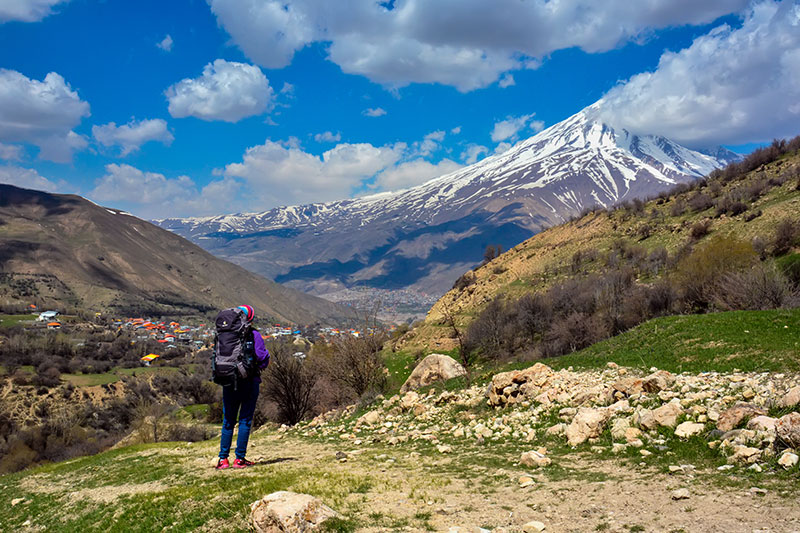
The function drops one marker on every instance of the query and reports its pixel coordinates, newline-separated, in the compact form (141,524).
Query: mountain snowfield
(424,237)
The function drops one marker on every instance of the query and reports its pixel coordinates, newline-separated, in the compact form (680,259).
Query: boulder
(534,458)
(667,414)
(791,398)
(587,424)
(435,367)
(734,416)
(787,430)
(515,386)
(289,512)
(370,418)
(409,400)
(688,429)
(619,428)
(744,454)
(788,460)
(658,381)
(680,494)
(762,423)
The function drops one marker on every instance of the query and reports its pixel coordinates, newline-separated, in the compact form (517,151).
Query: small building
(47,316)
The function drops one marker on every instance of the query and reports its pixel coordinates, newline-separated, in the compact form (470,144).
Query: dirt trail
(599,495)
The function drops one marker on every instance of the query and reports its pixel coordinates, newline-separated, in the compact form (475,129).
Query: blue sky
(190,108)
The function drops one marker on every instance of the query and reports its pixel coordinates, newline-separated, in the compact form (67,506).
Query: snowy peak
(443,225)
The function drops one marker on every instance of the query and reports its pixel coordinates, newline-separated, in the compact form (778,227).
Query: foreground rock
(737,415)
(587,424)
(436,367)
(788,430)
(289,512)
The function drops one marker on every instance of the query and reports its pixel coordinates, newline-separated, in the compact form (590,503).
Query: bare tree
(465,356)
(289,383)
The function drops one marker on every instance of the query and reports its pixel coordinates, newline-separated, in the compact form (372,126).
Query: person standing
(239,346)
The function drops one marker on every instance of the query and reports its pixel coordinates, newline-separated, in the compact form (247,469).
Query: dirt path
(412,491)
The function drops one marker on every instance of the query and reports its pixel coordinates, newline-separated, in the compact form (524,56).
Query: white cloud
(456,130)
(165,43)
(27,10)
(473,153)
(502,147)
(10,152)
(511,126)
(131,136)
(41,113)
(285,174)
(153,195)
(227,91)
(328,137)
(27,178)
(467,43)
(429,144)
(506,81)
(414,172)
(374,112)
(287,89)
(730,86)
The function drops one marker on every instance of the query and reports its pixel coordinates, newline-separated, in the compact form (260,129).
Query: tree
(465,356)
(289,383)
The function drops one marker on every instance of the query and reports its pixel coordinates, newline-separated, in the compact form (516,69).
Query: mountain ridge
(505,198)
(108,259)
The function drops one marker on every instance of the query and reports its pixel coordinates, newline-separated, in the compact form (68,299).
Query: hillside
(437,459)
(669,226)
(64,251)
(424,237)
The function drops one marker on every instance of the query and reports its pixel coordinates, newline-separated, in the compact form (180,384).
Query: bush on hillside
(759,288)
(289,383)
(787,233)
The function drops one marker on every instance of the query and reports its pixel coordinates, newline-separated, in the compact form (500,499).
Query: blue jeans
(239,402)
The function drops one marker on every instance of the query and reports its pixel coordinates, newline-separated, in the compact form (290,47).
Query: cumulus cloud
(153,195)
(131,136)
(286,174)
(328,137)
(27,10)
(414,172)
(165,43)
(226,90)
(27,178)
(456,130)
(374,112)
(473,153)
(10,152)
(467,44)
(512,126)
(429,144)
(730,86)
(41,113)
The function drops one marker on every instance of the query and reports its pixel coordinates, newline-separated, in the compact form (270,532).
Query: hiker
(239,356)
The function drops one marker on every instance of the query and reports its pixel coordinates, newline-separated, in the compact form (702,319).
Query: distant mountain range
(423,238)
(64,250)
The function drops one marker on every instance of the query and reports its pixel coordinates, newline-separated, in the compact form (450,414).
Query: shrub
(464,280)
(789,265)
(572,333)
(289,383)
(761,287)
(678,207)
(356,363)
(700,202)
(700,229)
(786,234)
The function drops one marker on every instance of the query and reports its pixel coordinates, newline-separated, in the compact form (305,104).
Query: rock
(587,424)
(419,409)
(370,418)
(618,448)
(526,481)
(517,385)
(758,491)
(645,453)
(658,381)
(632,435)
(744,455)
(17,501)
(667,414)
(533,527)
(409,400)
(619,427)
(443,448)
(556,430)
(688,429)
(787,430)
(733,417)
(435,367)
(680,494)
(791,398)
(787,460)
(627,387)
(534,458)
(289,512)
(762,423)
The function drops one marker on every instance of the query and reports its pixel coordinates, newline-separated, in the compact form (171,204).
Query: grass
(6,321)
(751,341)
(92,380)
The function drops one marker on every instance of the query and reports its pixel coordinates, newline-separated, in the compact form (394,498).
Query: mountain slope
(70,251)
(769,194)
(424,237)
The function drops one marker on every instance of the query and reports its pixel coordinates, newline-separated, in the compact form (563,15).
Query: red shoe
(222,464)
(242,463)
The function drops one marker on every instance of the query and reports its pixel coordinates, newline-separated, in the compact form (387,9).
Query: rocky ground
(611,450)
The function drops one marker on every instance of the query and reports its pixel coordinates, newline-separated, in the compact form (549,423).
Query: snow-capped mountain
(424,237)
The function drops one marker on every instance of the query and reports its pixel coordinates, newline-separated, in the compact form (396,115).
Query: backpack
(234,356)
